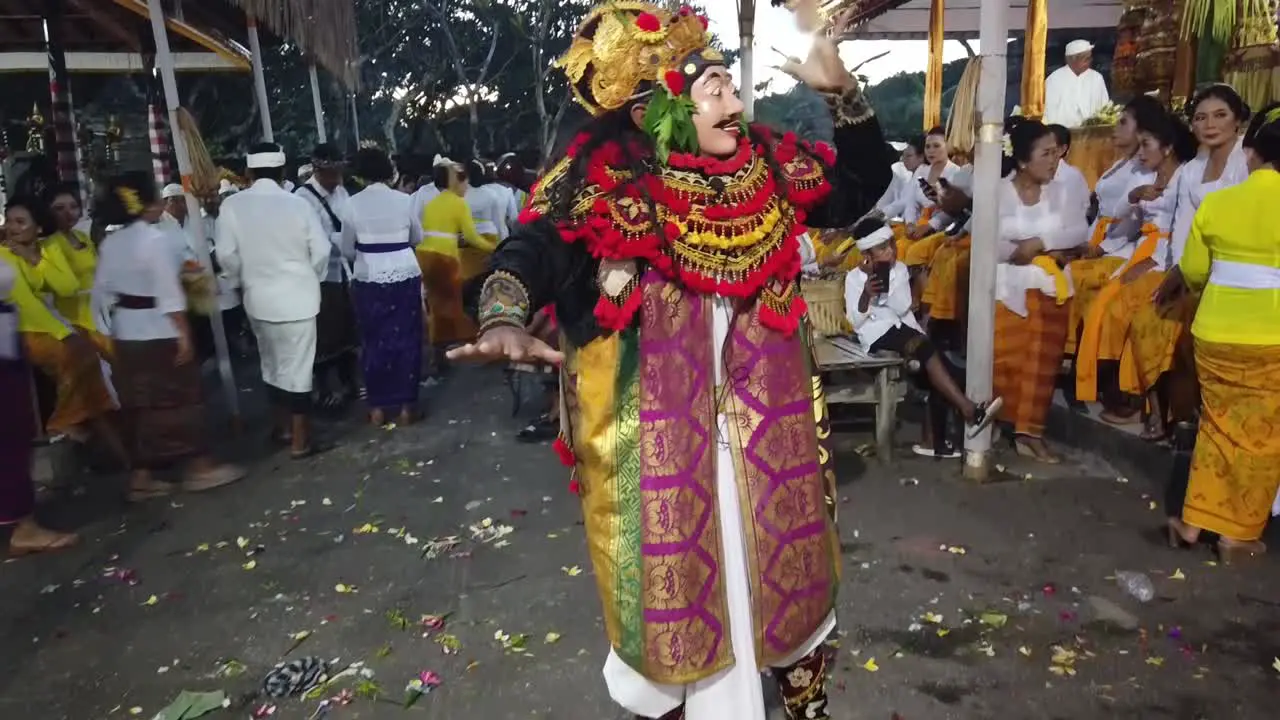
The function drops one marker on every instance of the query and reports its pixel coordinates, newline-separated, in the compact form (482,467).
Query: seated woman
(942,263)
(137,289)
(1165,143)
(17,432)
(1158,342)
(53,345)
(82,256)
(1038,228)
(1231,253)
(1111,239)
(446,227)
(882,320)
(916,206)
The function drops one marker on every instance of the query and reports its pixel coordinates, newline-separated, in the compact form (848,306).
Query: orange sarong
(1235,470)
(447,320)
(1107,319)
(1028,357)
(1154,337)
(82,393)
(946,291)
(474,260)
(1088,277)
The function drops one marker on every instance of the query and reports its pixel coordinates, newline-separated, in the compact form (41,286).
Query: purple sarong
(17,431)
(390,321)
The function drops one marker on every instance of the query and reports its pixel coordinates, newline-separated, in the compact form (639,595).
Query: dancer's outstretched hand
(507,343)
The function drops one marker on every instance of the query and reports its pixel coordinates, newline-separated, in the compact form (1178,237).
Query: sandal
(317,447)
(949,451)
(1115,418)
(49,541)
(1231,552)
(1153,430)
(155,489)
(215,478)
(984,414)
(1024,450)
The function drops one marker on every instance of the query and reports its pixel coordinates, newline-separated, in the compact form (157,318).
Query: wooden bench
(853,377)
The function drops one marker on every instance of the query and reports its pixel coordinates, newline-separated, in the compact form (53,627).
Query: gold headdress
(623,45)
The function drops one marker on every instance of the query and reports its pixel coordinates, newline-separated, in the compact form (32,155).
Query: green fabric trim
(630,568)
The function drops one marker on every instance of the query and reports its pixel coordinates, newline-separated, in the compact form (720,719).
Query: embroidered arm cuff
(503,301)
(849,107)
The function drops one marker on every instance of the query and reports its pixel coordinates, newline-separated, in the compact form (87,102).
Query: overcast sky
(775,28)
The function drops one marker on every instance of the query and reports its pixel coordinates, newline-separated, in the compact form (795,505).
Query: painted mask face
(717,113)
(1214,123)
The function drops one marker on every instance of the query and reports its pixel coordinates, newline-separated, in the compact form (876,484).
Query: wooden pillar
(933,73)
(989,156)
(317,105)
(195,223)
(1184,64)
(66,150)
(1033,51)
(260,82)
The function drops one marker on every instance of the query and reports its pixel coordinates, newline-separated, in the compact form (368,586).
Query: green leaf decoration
(669,121)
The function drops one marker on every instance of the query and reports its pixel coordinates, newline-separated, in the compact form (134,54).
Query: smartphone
(924,184)
(881,270)
(942,183)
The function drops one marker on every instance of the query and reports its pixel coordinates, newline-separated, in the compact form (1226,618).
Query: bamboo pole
(355,119)
(993,36)
(1033,52)
(317,105)
(195,223)
(933,72)
(260,81)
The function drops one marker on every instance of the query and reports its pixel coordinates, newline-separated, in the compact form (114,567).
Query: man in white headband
(1075,92)
(173,222)
(271,243)
(878,303)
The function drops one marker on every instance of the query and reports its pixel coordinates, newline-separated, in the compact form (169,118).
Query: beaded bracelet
(503,301)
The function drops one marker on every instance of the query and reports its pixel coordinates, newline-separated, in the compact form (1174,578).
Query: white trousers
(287,351)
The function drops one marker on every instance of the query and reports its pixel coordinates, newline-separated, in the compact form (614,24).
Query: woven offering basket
(825,297)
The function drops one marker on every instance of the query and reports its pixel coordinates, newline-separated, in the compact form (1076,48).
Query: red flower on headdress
(685,10)
(648,22)
(674,82)
(703,19)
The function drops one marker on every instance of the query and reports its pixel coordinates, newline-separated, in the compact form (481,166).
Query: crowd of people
(105,320)
(1159,286)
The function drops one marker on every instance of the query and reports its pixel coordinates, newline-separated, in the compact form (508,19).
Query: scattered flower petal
(250,565)
(153,600)
(871,666)
(1177,575)
(344,588)
(552,638)
(574,571)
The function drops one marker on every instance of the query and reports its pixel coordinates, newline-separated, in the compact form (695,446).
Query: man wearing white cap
(1076,92)
(271,242)
(173,221)
(878,302)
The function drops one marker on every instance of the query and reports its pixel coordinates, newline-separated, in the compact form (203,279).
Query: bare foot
(1036,449)
(143,487)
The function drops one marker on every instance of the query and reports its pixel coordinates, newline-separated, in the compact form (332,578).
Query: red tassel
(564,452)
(574,486)
(612,316)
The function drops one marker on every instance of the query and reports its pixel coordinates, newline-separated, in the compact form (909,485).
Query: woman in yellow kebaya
(82,256)
(53,345)
(1233,253)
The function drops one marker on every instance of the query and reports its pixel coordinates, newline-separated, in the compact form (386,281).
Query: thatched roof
(323,29)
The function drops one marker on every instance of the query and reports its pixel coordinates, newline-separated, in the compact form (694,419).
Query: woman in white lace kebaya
(379,236)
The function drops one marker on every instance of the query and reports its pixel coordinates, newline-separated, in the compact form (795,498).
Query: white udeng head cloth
(172,190)
(879,237)
(1078,47)
(265,160)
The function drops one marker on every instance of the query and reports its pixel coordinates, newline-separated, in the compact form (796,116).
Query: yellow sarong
(1235,470)
(1088,277)
(947,289)
(82,393)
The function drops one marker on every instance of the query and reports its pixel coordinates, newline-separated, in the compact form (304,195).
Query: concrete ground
(957,601)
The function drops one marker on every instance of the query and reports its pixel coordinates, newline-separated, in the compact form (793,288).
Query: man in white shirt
(337,341)
(908,161)
(1076,92)
(173,222)
(1075,187)
(882,320)
(271,242)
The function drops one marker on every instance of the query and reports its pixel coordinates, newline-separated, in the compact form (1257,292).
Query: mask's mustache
(733,121)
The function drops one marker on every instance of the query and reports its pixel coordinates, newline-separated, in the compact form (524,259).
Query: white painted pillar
(195,223)
(318,106)
(980,361)
(355,119)
(746,38)
(260,82)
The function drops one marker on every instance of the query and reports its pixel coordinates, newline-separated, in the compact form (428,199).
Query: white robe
(1070,99)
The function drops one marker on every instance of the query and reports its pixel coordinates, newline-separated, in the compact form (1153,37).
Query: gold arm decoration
(849,107)
(504,300)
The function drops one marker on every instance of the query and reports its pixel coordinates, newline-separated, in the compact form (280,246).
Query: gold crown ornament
(622,49)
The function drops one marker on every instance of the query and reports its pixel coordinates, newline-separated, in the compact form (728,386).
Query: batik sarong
(77,372)
(390,316)
(1088,277)
(946,291)
(1028,357)
(162,403)
(1235,469)
(447,320)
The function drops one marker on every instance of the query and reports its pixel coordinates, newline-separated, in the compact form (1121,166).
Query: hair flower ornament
(1006,145)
